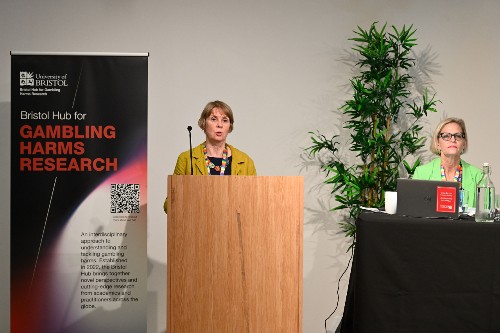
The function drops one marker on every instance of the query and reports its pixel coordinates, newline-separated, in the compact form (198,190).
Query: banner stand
(78,192)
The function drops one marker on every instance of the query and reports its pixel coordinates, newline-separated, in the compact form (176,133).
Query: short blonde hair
(437,132)
(207,111)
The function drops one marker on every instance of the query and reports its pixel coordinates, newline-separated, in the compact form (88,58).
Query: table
(423,275)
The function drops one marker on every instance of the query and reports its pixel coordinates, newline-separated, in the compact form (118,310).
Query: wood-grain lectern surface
(234,254)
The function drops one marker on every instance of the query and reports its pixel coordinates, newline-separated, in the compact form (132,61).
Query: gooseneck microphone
(190,149)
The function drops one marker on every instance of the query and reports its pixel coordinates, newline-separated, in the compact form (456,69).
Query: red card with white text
(446,199)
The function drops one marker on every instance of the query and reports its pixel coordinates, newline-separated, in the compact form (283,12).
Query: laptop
(427,198)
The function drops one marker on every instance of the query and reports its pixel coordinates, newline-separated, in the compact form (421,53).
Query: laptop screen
(428,198)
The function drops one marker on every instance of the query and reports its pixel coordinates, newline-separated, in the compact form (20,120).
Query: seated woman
(215,156)
(449,142)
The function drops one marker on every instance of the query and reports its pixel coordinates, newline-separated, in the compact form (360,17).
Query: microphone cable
(338,284)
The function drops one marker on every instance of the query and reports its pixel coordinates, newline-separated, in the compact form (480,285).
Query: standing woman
(449,142)
(215,156)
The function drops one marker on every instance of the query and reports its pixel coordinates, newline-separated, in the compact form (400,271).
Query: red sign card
(446,199)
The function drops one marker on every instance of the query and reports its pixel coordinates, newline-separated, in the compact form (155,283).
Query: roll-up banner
(78,192)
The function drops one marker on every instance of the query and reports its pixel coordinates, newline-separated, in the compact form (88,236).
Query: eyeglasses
(447,136)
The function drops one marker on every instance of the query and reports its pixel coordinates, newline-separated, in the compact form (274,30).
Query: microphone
(189,128)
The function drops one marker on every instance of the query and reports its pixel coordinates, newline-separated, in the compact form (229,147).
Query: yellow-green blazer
(241,165)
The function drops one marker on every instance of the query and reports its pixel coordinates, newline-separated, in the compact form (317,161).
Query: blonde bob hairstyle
(207,111)
(437,132)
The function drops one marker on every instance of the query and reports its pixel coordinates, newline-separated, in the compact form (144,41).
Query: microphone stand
(189,128)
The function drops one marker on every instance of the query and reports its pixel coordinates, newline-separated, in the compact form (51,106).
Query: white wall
(279,65)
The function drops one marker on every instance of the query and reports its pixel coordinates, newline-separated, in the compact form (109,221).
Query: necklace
(458,174)
(209,163)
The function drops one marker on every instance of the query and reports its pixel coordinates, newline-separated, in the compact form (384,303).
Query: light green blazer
(471,175)
(241,164)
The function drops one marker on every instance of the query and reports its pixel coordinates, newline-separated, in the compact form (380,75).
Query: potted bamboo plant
(384,121)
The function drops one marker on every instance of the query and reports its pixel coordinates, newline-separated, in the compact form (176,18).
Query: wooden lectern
(234,254)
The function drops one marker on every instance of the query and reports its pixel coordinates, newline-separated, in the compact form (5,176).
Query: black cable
(338,285)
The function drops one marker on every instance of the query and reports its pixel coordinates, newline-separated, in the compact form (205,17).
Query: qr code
(125,198)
